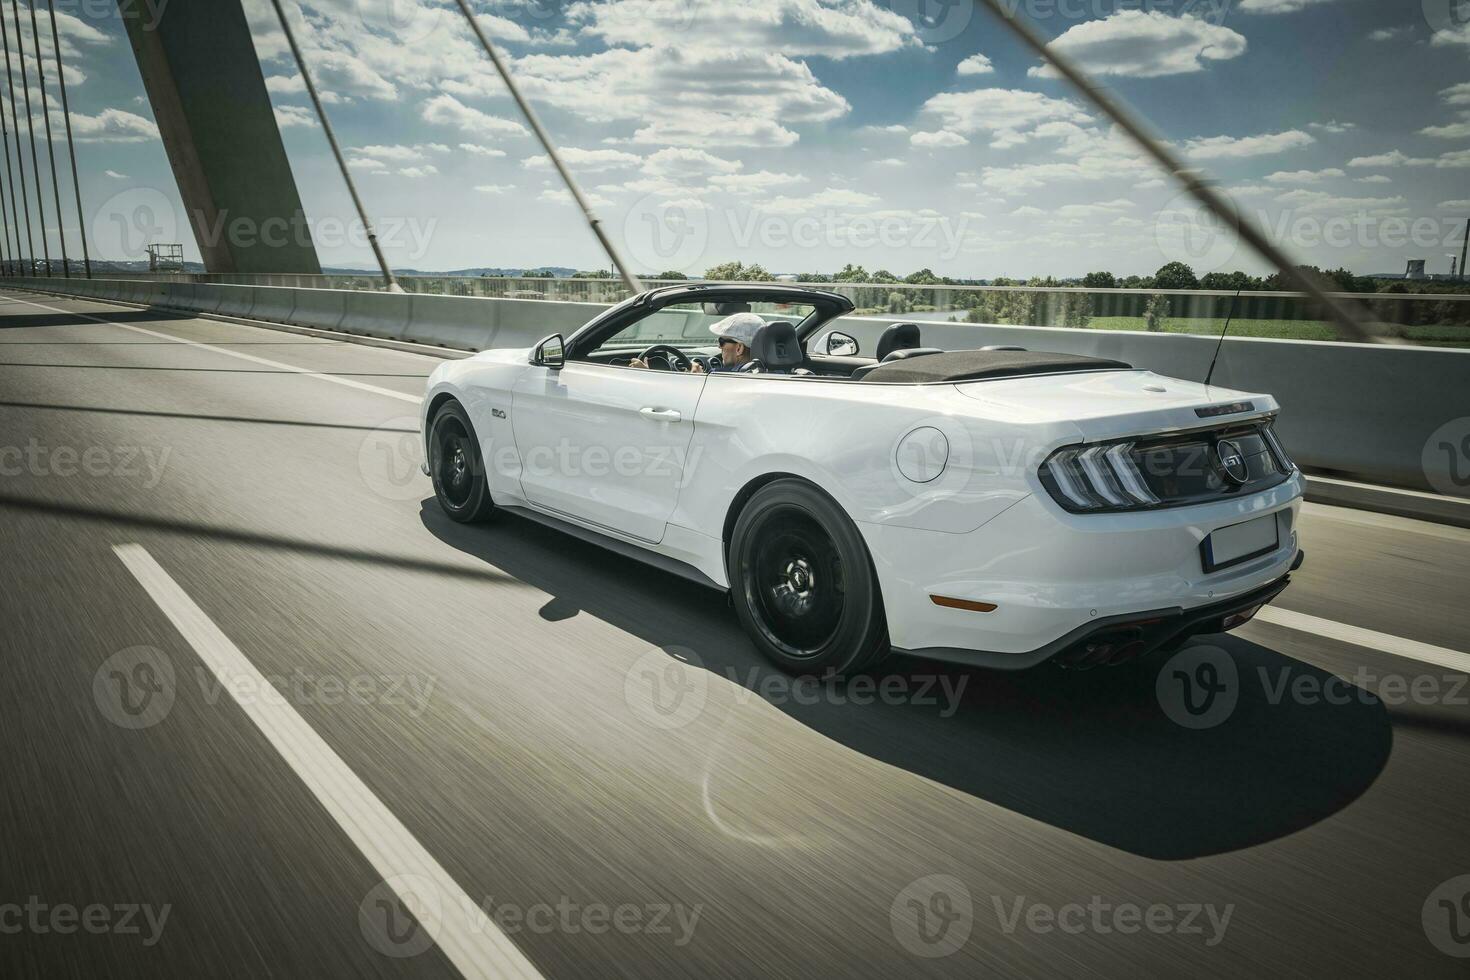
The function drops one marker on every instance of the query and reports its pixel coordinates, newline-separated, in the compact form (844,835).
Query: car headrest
(900,336)
(725,309)
(775,346)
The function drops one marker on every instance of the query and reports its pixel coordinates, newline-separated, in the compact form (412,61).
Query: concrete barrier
(320,308)
(1370,412)
(234,300)
(459,322)
(273,303)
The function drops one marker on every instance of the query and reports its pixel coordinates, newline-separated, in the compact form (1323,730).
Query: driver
(736,333)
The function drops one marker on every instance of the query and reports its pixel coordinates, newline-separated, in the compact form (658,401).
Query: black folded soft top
(985,365)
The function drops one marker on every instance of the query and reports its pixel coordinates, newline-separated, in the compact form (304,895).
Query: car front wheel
(803,584)
(456,466)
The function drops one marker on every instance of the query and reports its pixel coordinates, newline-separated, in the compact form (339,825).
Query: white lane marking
(1397,646)
(345,382)
(471,939)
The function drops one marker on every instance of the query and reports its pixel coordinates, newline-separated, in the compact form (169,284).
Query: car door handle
(660,414)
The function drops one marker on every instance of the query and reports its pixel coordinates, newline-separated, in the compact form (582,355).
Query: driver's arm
(638,362)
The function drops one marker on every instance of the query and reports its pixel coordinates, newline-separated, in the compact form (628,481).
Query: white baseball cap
(739,326)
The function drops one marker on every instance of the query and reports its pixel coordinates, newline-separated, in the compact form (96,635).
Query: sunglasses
(728,340)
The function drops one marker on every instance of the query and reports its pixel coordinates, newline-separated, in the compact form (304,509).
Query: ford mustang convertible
(994,507)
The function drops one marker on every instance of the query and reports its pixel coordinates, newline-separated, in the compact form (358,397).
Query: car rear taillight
(1175,470)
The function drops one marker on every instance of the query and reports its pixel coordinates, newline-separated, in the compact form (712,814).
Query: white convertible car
(992,507)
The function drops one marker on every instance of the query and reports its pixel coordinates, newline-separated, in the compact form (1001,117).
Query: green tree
(1230,280)
(883,275)
(1100,280)
(1156,313)
(898,302)
(924,277)
(852,273)
(737,272)
(1176,275)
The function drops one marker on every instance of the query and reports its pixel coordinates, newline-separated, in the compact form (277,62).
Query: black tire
(803,583)
(456,466)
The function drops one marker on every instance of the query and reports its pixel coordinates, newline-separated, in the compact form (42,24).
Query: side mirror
(549,353)
(839,344)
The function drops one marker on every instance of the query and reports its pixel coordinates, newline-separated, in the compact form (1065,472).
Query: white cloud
(397,153)
(832,197)
(288,116)
(1152,183)
(426,170)
(1278,6)
(1452,206)
(494,188)
(711,129)
(896,128)
(833,29)
(1389,33)
(1304,200)
(686,162)
(112,126)
(1145,44)
(1453,131)
(1304,176)
(446,110)
(1027,211)
(941,138)
(1375,179)
(975,64)
(753,183)
(890,162)
(475,149)
(1333,127)
(588,161)
(1236,147)
(115,175)
(1456,94)
(293,85)
(367,165)
(1091,210)
(563,196)
(1008,115)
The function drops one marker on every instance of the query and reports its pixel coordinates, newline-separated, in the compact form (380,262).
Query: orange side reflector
(970,604)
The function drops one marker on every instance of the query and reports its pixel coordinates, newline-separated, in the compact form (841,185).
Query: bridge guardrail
(1368,412)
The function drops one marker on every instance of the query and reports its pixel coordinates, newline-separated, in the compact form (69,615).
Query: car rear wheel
(803,583)
(456,466)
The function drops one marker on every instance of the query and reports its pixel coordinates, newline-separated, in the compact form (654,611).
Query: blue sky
(804,134)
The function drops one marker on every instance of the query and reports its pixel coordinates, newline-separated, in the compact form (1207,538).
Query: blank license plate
(1240,542)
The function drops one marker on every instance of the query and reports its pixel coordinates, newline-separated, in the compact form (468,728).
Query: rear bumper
(1120,639)
(1043,580)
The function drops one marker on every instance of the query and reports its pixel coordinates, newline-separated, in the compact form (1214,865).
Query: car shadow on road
(1096,753)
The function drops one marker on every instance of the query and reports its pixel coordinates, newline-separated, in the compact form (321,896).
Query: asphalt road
(514,702)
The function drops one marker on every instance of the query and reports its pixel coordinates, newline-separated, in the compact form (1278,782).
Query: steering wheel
(676,359)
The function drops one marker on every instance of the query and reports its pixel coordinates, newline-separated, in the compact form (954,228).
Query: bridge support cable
(6,268)
(1352,320)
(50,143)
(13,212)
(71,145)
(25,81)
(629,279)
(29,251)
(389,282)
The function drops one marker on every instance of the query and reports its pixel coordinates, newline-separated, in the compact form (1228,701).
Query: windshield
(687,324)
